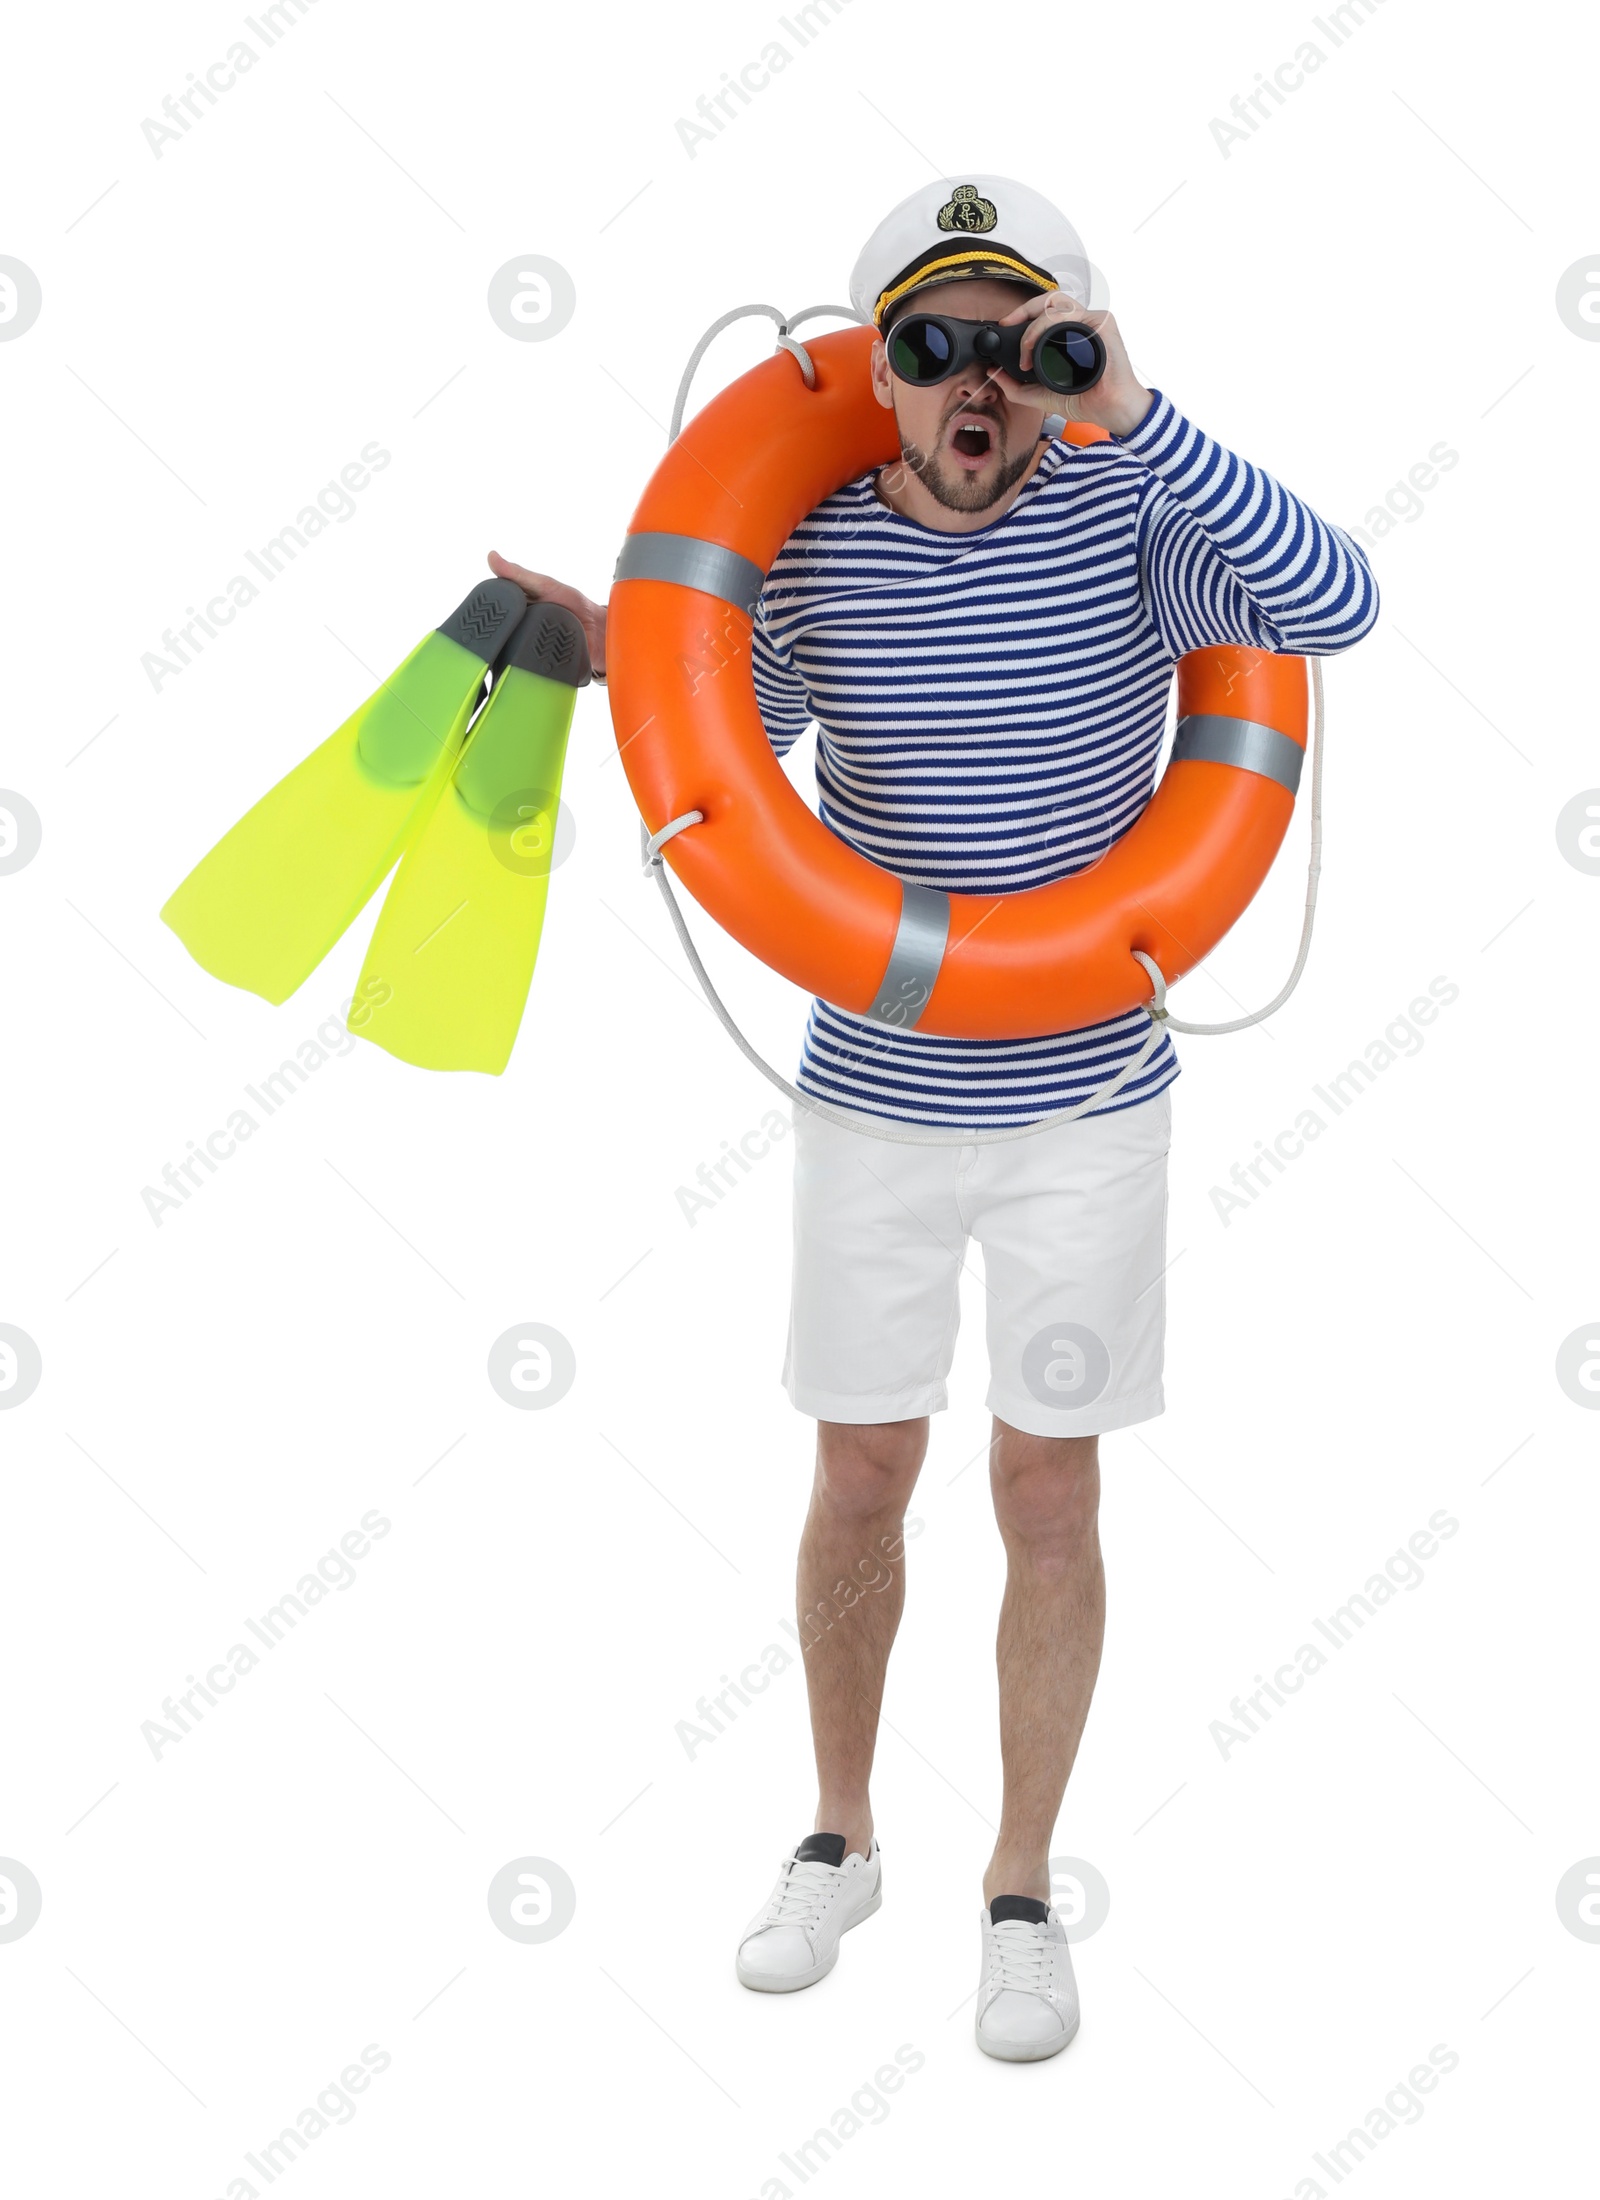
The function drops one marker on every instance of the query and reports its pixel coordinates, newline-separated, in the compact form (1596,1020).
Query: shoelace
(1021,1956)
(803,1894)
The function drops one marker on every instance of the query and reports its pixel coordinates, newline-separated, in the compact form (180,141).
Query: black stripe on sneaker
(821,1848)
(1023,1906)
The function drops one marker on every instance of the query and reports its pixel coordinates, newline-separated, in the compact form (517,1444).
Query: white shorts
(1073,1226)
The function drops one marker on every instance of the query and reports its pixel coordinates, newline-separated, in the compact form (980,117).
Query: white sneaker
(1027,1997)
(820,1894)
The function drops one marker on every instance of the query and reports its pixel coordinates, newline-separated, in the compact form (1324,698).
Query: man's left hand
(1118,401)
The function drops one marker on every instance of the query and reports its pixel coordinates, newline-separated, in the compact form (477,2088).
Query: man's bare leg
(849,1595)
(1052,1624)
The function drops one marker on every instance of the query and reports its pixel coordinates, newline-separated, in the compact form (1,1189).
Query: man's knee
(865,1469)
(1046,1488)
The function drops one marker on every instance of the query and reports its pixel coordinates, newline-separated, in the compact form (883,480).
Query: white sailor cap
(960,227)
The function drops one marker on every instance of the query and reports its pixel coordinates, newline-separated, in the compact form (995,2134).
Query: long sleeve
(1227,554)
(780,692)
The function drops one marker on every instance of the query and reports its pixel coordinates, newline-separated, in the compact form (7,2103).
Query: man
(985,635)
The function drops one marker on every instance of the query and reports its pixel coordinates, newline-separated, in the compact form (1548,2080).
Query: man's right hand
(542,589)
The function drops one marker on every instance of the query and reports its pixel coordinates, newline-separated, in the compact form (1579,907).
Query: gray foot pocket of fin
(483,621)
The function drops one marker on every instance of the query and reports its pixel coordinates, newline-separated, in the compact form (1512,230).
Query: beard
(960,492)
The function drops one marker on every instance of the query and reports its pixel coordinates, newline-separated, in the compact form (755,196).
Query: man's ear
(882,380)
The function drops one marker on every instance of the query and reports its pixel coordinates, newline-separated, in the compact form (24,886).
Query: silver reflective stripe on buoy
(914,960)
(1205,739)
(692,564)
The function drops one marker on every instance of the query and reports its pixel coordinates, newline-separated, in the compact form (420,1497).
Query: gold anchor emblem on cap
(965,210)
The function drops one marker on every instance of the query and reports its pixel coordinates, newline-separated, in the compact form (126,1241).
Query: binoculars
(925,348)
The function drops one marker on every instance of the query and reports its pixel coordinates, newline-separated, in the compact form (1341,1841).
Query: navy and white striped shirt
(990,707)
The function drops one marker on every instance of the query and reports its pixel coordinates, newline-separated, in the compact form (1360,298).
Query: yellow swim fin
(280,888)
(447,974)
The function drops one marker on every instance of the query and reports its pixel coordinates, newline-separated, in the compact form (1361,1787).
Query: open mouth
(972,437)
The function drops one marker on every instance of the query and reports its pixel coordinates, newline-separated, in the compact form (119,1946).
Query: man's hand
(542,589)
(1118,401)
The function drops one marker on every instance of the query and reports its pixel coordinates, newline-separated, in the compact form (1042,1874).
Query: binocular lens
(1067,360)
(921,351)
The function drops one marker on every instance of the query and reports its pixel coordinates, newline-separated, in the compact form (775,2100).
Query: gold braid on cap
(991,260)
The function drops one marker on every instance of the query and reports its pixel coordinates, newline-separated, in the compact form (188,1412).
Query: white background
(1292,1928)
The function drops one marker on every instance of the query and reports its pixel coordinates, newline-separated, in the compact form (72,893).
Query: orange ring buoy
(1051,958)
